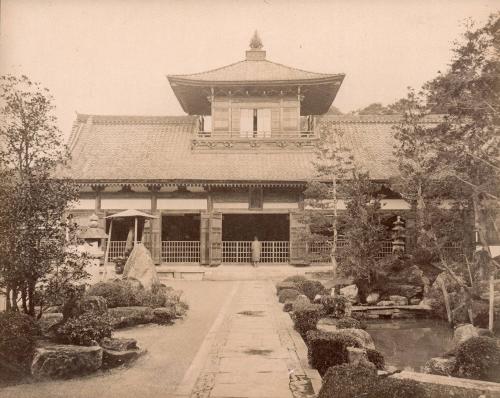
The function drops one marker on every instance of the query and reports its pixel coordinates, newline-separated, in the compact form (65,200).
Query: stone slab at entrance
(253,352)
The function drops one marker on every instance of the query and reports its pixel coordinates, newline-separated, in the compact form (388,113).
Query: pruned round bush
(285,285)
(327,349)
(116,293)
(17,341)
(301,302)
(335,306)
(348,381)
(311,288)
(348,323)
(306,318)
(84,329)
(295,279)
(376,358)
(478,358)
(288,294)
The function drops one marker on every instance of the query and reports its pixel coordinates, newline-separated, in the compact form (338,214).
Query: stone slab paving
(255,352)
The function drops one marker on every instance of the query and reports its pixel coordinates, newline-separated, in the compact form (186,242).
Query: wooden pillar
(155,224)
(205,230)
(98,189)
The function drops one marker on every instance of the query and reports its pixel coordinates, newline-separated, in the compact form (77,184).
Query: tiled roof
(116,148)
(254,71)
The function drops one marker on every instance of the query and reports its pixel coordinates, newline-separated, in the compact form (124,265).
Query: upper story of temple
(255,99)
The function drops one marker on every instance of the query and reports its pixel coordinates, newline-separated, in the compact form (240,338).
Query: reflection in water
(410,343)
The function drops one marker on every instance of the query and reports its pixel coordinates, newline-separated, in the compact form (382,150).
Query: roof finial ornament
(256,42)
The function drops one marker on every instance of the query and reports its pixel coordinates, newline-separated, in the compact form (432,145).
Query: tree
(374,109)
(467,142)
(363,230)
(36,235)
(421,182)
(332,162)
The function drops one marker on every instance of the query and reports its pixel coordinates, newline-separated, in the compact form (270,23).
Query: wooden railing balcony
(262,135)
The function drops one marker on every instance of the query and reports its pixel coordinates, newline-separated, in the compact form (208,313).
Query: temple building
(234,167)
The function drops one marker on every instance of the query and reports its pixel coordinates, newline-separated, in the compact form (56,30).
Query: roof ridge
(383,119)
(303,70)
(207,71)
(100,118)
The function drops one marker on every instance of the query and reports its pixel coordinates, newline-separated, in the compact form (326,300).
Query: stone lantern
(93,235)
(398,237)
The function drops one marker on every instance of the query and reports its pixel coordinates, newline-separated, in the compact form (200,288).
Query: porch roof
(124,149)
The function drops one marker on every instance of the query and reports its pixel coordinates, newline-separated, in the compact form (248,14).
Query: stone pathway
(252,351)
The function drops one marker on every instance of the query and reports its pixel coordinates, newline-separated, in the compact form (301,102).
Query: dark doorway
(184,227)
(244,227)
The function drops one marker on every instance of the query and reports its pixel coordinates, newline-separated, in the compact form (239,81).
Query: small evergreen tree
(36,235)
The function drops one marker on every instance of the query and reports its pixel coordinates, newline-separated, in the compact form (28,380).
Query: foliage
(285,285)
(17,341)
(36,235)
(332,163)
(256,42)
(301,302)
(306,318)
(327,349)
(288,294)
(376,358)
(310,288)
(117,293)
(335,306)
(85,329)
(363,230)
(295,279)
(478,358)
(348,381)
(348,323)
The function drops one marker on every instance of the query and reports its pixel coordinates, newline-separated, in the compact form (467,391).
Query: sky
(112,56)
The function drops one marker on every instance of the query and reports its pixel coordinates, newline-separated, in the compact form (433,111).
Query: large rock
(130,316)
(362,335)
(164,315)
(463,333)
(351,292)
(385,303)
(372,298)
(63,361)
(399,300)
(113,358)
(440,366)
(118,344)
(141,266)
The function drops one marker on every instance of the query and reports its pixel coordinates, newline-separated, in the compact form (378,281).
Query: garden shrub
(288,294)
(285,285)
(348,381)
(327,349)
(116,293)
(335,306)
(17,341)
(348,323)
(301,302)
(311,288)
(478,358)
(376,358)
(84,329)
(297,279)
(288,306)
(306,318)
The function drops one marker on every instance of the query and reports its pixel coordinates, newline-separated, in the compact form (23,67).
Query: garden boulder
(96,304)
(463,333)
(130,316)
(55,361)
(440,366)
(372,298)
(49,321)
(118,344)
(385,303)
(351,292)
(398,300)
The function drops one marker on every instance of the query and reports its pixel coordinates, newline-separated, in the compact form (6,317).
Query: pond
(409,343)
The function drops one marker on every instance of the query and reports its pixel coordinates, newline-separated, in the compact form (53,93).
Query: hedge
(326,349)
(85,329)
(288,294)
(306,318)
(478,358)
(348,381)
